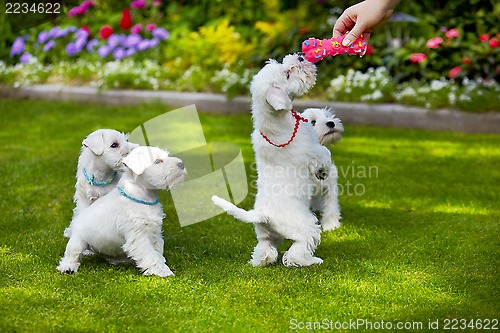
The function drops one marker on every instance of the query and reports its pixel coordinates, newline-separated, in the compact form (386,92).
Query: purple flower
(119,53)
(57,32)
(138,4)
(82,33)
(103,51)
(132,40)
(143,45)
(154,42)
(114,41)
(129,52)
(80,43)
(43,37)
(71,29)
(25,58)
(17,47)
(160,33)
(91,44)
(72,49)
(50,44)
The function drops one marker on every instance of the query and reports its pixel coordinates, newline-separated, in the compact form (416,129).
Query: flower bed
(155,45)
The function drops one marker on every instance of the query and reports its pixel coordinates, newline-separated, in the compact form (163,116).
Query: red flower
(304,31)
(466,60)
(454,72)
(493,43)
(105,31)
(126,20)
(417,57)
(452,33)
(484,38)
(369,49)
(433,43)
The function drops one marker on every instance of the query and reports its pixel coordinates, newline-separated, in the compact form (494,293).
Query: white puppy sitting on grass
(289,159)
(328,129)
(99,167)
(127,222)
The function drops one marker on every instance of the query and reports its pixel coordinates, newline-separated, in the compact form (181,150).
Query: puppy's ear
(95,142)
(138,160)
(278,99)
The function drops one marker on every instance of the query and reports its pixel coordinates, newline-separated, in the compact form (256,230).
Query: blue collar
(91,180)
(151,203)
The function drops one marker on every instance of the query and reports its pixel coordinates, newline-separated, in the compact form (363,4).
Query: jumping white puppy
(127,222)
(288,158)
(328,129)
(99,167)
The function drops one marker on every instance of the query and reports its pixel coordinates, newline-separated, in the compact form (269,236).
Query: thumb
(352,35)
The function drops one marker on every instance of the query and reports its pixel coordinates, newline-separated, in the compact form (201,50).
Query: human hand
(362,18)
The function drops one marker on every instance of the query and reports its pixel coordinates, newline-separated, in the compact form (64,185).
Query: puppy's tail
(250,216)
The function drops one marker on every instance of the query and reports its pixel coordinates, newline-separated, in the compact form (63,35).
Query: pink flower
(150,27)
(136,29)
(454,72)
(466,60)
(79,10)
(87,4)
(484,38)
(452,33)
(156,3)
(493,43)
(138,4)
(433,43)
(417,57)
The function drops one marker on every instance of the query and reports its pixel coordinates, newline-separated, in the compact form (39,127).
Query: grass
(419,240)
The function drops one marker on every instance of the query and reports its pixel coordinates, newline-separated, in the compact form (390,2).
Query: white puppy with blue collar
(127,222)
(99,167)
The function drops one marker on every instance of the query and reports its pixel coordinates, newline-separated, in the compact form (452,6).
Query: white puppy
(98,169)
(127,222)
(288,158)
(328,129)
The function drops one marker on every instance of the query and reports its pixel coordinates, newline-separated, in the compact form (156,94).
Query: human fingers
(344,23)
(354,34)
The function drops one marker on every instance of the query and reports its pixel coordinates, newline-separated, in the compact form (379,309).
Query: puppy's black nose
(181,165)
(301,58)
(330,124)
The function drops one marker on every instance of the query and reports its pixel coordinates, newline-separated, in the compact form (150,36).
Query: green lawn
(419,241)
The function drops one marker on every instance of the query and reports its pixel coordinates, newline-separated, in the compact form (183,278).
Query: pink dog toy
(316,49)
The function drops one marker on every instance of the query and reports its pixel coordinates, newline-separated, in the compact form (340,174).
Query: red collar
(298,119)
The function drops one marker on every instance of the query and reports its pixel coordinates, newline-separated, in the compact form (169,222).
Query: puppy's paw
(331,222)
(161,271)
(322,173)
(301,261)
(67,232)
(316,261)
(67,268)
(264,259)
